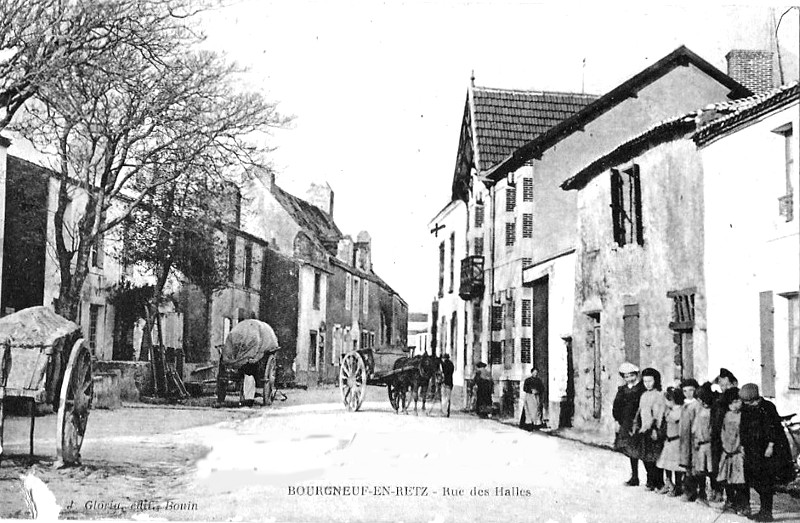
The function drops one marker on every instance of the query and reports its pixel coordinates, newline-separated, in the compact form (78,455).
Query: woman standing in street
(626,405)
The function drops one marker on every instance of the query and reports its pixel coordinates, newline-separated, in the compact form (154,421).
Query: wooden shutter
(616,207)
(637,204)
(766,307)
(631,333)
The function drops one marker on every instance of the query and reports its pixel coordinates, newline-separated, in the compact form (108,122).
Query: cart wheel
(269,379)
(353,380)
(394,395)
(73,409)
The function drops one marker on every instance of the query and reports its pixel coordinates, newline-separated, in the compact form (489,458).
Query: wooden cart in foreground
(363,367)
(44,359)
(250,349)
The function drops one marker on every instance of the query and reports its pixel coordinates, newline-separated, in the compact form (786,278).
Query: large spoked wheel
(394,395)
(353,380)
(269,379)
(73,409)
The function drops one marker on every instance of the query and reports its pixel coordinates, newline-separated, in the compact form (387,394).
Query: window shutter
(637,200)
(527,225)
(347,291)
(527,189)
(511,199)
(497,317)
(616,207)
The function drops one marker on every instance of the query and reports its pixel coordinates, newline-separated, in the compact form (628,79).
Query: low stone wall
(135,377)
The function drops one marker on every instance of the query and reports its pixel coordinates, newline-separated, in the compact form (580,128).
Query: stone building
(675,84)
(30,273)
(485,236)
(330,298)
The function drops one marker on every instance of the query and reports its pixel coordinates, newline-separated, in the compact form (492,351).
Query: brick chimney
(321,197)
(751,68)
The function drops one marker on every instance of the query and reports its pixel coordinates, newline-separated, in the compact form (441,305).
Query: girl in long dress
(670,458)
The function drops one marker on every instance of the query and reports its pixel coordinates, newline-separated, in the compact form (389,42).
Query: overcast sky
(378,90)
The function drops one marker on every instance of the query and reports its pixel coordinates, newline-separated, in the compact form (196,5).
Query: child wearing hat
(731,465)
(626,405)
(767,459)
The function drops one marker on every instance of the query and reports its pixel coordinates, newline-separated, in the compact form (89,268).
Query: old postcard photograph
(401,261)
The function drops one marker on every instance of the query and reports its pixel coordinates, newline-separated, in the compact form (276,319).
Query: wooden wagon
(363,367)
(249,349)
(43,359)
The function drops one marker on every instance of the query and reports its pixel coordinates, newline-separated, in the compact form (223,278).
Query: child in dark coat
(626,405)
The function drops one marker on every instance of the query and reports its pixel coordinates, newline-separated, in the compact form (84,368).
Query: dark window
(317,289)
(441,269)
(496,356)
(526,313)
(248,264)
(525,350)
(511,233)
(479,215)
(626,206)
(452,259)
(527,189)
(453,331)
(497,317)
(527,225)
(94,316)
(511,198)
(231,257)
(478,247)
(312,351)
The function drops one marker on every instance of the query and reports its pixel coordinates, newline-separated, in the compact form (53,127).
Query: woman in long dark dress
(626,405)
(767,458)
(483,390)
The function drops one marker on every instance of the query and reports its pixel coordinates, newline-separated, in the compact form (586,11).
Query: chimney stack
(363,253)
(321,197)
(751,68)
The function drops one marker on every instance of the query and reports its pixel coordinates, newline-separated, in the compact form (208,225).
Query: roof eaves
(774,100)
(679,57)
(666,131)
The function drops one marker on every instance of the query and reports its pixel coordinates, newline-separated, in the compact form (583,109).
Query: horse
(421,371)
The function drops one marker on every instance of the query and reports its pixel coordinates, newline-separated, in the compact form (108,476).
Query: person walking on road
(532,409)
(447,383)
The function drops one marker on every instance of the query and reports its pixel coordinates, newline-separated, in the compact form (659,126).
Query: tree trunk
(210,352)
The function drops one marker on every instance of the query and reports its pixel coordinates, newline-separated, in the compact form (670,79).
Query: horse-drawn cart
(250,349)
(43,358)
(387,366)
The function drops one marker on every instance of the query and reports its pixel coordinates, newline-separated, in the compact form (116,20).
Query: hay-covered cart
(43,358)
(249,349)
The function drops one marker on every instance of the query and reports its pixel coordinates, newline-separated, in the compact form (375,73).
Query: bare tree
(131,123)
(41,41)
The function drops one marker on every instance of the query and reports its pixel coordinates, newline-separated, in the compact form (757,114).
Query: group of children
(691,435)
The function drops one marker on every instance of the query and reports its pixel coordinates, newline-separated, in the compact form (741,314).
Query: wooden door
(541,332)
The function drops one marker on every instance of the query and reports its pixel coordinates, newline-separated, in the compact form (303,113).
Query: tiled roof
(679,57)
(319,223)
(736,113)
(507,119)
